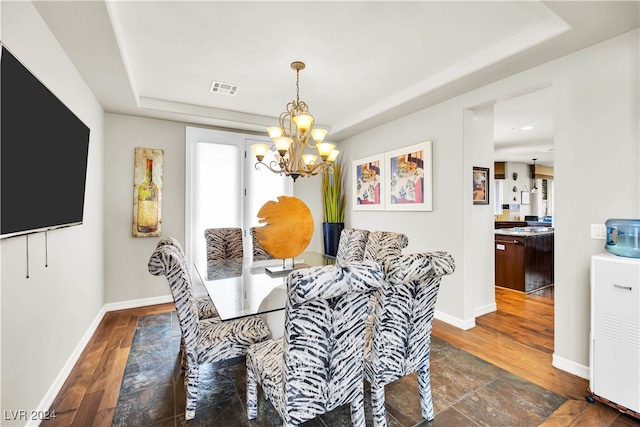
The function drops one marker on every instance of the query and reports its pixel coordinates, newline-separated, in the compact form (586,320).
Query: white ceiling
(368,62)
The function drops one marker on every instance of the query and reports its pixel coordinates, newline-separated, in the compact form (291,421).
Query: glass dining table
(240,287)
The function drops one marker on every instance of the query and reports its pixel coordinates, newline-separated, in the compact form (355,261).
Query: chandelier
(534,189)
(291,138)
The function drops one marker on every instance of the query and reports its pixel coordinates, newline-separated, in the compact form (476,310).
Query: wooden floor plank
(112,386)
(88,409)
(595,415)
(566,414)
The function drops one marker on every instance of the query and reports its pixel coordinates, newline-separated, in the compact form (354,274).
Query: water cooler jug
(623,237)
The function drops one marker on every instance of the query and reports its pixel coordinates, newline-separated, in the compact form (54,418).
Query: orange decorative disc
(288,229)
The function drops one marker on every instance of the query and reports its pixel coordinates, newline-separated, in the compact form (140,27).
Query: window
(223,188)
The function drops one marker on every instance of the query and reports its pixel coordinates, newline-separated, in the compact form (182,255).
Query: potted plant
(333,202)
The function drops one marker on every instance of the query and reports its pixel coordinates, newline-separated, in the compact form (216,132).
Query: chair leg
(183,355)
(424,387)
(252,395)
(191,386)
(378,409)
(357,411)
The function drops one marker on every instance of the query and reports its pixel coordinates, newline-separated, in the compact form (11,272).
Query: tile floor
(467,391)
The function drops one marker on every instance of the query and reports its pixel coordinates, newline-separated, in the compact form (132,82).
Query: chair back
(324,336)
(384,244)
(223,243)
(171,241)
(166,260)
(259,253)
(403,315)
(352,244)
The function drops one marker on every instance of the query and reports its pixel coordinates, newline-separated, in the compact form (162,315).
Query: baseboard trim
(570,366)
(57,384)
(489,308)
(135,303)
(454,321)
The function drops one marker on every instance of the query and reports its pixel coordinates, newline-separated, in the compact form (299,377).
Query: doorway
(524,145)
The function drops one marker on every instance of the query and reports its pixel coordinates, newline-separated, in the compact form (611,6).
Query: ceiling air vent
(223,88)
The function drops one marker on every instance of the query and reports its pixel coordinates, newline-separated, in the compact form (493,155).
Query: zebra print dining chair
(206,308)
(318,364)
(223,243)
(398,333)
(384,244)
(380,246)
(259,253)
(207,340)
(351,245)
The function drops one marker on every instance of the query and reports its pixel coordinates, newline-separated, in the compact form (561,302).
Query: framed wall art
(480,186)
(409,184)
(147,192)
(368,179)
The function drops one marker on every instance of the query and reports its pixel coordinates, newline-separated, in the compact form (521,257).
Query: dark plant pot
(331,232)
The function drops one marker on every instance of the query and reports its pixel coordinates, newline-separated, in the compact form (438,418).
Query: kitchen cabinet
(509,224)
(523,259)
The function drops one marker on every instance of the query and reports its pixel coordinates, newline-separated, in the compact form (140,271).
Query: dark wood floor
(518,338)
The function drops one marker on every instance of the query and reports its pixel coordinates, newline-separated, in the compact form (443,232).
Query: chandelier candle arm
(291,137)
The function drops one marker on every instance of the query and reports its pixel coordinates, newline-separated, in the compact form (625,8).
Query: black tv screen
(43,155)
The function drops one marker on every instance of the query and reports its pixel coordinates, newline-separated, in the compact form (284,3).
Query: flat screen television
(43,155)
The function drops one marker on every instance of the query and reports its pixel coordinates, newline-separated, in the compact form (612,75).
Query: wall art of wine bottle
(147,192)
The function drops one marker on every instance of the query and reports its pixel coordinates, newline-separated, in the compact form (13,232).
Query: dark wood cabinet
(509,224)
(510,262)
(524,262)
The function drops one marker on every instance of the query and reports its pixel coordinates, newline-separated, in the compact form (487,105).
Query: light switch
(598,231)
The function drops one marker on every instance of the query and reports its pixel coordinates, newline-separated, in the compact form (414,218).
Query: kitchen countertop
(524,231)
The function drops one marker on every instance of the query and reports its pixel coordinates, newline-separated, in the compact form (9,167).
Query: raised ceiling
(368,62)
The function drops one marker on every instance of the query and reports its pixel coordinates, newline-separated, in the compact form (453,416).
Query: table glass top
(239,289)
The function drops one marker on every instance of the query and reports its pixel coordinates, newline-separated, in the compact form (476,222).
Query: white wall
(126,275)
(524,178)
(45,317)
(478,151)
(596,151)
(444,227)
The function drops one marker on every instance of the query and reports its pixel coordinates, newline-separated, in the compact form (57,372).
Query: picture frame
(524,197)
(368,183)
(409,180)
(147,192)
(480,185)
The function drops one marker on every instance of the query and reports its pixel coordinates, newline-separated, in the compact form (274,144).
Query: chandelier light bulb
(260,150)
(309,159)
(333,156)
(303,123)
(275,132)
(318,135)
(282,144)
(325,149)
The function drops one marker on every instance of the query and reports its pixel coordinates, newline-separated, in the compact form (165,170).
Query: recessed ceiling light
(223,88)
(528,127)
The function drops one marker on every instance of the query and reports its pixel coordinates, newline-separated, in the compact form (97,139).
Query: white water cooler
(615,332)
